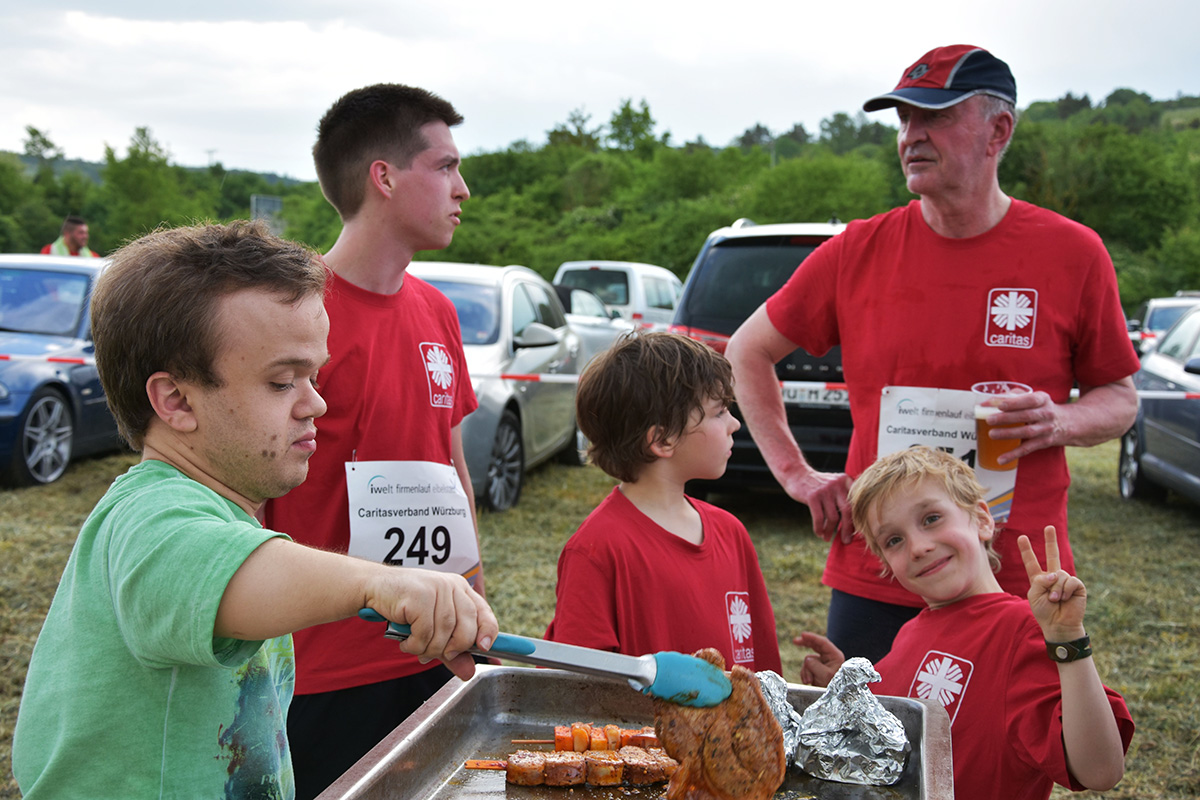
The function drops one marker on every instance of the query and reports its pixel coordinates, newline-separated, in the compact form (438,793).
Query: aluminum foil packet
(775,690)
(847,735)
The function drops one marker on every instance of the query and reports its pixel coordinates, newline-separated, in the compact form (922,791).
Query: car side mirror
(615,314)
(1133,325)
(535,335)
(1192,365)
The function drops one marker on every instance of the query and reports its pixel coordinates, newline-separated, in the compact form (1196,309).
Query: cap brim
(920,97)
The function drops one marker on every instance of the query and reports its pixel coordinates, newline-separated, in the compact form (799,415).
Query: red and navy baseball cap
(948,75)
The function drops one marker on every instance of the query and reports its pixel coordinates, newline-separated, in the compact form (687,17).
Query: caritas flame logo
(439,370)
(942,678)
(737,611)
(1011,318)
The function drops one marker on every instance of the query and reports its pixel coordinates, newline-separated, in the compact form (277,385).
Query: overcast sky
(244,83)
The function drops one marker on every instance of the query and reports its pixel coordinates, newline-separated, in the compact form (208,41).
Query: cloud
(244,83)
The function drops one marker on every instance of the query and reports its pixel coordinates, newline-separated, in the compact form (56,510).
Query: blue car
(1162,449)
(52,407)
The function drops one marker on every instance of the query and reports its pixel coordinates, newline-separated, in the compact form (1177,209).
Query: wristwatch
(1062,652)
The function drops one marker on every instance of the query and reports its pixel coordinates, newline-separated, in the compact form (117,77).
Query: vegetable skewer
(583,736)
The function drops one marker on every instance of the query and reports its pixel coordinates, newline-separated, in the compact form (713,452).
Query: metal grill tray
(422,759)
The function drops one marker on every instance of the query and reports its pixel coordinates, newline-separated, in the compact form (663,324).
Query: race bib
(943,419)
(411,514)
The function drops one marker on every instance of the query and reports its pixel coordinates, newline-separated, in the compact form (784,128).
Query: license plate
(824,395)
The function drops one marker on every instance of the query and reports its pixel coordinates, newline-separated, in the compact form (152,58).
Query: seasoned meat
(565,768)
(526,768)
(644,767)
(669,764)
(642,737)
(604,767)
(732,751)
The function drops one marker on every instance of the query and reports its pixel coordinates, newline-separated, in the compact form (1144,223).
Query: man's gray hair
(991,106)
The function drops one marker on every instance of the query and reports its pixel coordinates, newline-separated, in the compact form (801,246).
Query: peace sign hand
(1057,599)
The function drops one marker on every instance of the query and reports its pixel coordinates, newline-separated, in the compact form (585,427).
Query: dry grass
(1139,563)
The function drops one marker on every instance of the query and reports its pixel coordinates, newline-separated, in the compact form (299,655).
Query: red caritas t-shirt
(627,585)
(382,407)
(912,308)
(984,659)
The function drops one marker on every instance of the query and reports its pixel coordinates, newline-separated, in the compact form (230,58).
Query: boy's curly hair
(644,382)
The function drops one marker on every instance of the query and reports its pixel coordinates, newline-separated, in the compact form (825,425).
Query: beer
(987,449)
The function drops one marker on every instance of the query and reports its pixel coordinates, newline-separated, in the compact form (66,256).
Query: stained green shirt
(128,692)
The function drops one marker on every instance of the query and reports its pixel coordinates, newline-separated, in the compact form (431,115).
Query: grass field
(1139,562)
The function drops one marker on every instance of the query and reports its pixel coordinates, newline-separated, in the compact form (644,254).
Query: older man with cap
(964,284)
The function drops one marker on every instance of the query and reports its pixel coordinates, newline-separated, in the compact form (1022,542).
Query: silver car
(512,324)
(596,326)
(1162,449)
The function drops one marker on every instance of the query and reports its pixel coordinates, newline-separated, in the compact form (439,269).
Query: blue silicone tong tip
(688,681)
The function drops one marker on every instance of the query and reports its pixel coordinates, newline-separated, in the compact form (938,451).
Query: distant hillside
(92,169)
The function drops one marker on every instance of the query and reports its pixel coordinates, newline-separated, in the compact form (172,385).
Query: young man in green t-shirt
(165,665)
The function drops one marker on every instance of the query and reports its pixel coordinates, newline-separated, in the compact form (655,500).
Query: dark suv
(737,269)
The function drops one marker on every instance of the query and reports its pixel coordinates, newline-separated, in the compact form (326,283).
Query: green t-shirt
(128,693)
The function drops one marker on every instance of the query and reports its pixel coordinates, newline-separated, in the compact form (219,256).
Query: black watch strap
(1062,652)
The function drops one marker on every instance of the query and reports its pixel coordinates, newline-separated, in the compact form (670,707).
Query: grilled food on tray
(631,765)
(582,736)
(732,751)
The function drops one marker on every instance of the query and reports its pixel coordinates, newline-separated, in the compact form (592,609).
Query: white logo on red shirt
(439,370)
(1011,318)
(737,611)
(944,678)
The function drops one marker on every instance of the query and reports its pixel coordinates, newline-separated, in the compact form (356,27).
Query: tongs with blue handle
(674,677)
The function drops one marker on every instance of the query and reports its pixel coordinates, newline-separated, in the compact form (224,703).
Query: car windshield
(740,274)
(586,304)
(41,301)
(610,285)
(478,308)
(1164,317)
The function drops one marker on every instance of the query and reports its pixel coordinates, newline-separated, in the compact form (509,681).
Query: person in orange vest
(73,241)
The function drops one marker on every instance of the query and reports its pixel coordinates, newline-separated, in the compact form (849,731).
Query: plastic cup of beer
(989,450)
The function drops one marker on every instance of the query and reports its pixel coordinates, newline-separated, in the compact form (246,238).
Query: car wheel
(44,440)
(506,467)
(1133,484)
(575,453)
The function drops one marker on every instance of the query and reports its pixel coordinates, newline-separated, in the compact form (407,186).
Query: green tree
(1068,105)
(232,190)
(594,179)
(575,133)
(516,167)
(677,173)
(309,218)
(144,191)
(1179,259)
(815,188)
(843,133)
(758,136)
(26,220)
(1130,188)
(39,146)
(633,130)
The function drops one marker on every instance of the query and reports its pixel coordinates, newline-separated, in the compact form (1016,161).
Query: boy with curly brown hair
(652,569)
